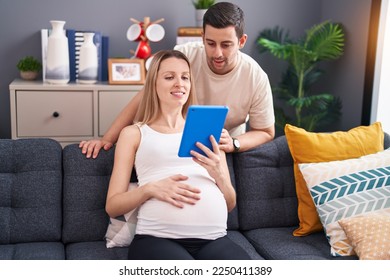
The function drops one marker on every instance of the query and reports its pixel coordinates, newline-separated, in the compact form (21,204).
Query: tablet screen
(201,122)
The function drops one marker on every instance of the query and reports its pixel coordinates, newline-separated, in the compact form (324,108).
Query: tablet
(201,122)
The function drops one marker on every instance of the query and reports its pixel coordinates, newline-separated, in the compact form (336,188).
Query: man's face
(222,45)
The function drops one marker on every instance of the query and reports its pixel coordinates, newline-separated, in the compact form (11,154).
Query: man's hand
(226,142)
(248,140)
(92,147)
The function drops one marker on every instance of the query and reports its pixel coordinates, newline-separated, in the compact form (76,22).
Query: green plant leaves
(203,4)
(324,41)
(29,63)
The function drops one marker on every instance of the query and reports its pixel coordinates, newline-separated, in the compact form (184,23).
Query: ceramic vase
(88,62)
(57,57)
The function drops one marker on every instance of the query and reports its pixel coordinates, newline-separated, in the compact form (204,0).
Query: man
(223,75)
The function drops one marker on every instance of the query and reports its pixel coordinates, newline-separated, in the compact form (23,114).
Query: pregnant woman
(182,202)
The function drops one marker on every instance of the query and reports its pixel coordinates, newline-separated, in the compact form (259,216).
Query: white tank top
(157,159)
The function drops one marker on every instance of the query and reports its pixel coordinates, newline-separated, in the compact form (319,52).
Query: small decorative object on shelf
(57,64)
(188,34)
(201,7)
(88,63)
(143,32)
(126,71)
(189,31)
(29,68)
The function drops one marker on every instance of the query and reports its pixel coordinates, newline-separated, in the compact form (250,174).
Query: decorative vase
(57,57)
(88,62)
(199,13)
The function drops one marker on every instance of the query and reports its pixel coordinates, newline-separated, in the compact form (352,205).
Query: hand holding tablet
(201,122)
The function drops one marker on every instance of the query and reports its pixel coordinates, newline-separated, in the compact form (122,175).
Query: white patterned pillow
(121,230)
(348,188)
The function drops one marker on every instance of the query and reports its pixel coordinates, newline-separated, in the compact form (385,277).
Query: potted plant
(201,7)
(203,4)
(306,109)
(29,68)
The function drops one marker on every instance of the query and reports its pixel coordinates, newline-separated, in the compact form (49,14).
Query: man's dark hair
(225,14)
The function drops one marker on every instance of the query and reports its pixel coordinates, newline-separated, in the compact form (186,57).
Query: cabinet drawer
(111,104)
(54,113)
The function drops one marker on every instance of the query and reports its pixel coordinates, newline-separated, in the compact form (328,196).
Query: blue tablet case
(201,122)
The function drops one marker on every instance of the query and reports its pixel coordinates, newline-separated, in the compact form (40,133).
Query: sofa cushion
(386,141)
(30,191)
(348,188)
(318,147)
(84,197)
(232,222)
(33,251)
(280,244)
(238,238)
(94,250)
(265,186)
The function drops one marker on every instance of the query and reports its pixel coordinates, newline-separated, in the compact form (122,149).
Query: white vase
(88,62)
(57,57)
(199,13)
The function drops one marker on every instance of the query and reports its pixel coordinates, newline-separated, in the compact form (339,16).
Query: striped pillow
(348,188)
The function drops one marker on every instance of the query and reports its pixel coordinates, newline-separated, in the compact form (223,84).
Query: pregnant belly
(206,217)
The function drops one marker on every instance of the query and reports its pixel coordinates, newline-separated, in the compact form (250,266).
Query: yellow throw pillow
(310,147)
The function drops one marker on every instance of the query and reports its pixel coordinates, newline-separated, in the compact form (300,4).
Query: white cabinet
(68,113)
(53,114)
(110,104)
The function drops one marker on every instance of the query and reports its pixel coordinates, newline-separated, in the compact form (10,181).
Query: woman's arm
(119,200)
(216,165)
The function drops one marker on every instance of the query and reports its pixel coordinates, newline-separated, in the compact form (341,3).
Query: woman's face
(173,82)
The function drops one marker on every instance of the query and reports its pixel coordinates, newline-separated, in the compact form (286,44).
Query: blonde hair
(149,107)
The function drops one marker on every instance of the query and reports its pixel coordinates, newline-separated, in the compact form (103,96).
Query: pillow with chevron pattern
(121,230)
(348,188)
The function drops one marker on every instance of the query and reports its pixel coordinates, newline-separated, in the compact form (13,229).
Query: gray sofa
(52,203)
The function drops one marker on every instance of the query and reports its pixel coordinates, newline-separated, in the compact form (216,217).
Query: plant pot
(29,75)
(199,13)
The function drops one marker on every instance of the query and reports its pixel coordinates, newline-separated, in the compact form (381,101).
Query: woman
(183,202)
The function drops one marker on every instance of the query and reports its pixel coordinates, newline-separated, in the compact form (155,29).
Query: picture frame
(126,71)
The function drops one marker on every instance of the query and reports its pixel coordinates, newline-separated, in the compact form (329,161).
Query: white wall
(381,94)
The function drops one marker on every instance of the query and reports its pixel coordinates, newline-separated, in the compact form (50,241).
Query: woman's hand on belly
(173,190)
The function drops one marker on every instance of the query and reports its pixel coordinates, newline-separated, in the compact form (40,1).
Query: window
(381,87)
